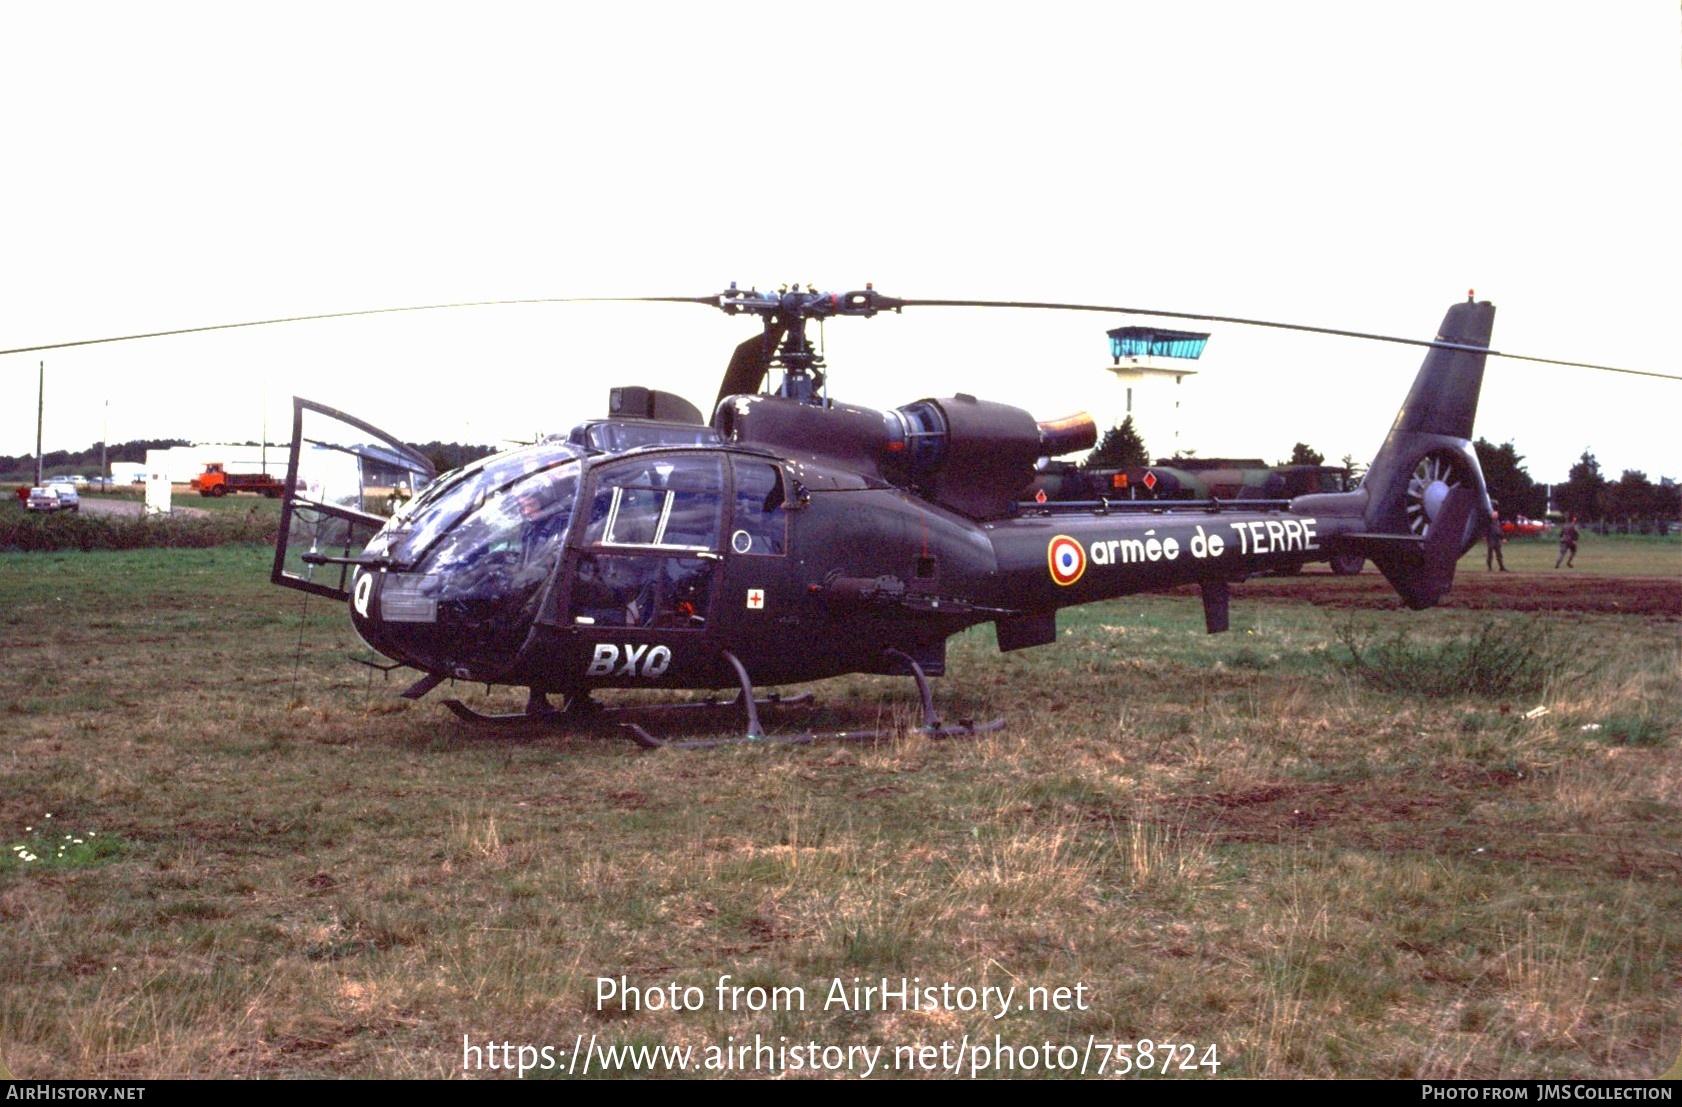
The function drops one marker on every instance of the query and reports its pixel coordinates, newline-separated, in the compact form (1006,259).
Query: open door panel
(344,481)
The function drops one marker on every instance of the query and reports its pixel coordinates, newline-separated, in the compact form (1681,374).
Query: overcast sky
(1345,165)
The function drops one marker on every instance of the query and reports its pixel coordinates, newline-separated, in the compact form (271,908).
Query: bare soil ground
(130,508)
(1517,591)
(1444,812)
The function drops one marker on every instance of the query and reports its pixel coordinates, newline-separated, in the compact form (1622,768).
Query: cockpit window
(760,523)
(656,591)
(661,500)
(616,436)
(650,543)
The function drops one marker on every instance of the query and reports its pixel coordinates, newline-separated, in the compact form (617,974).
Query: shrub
(82,531)
(1497,659)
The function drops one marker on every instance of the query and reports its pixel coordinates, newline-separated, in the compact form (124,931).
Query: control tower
(1150,362)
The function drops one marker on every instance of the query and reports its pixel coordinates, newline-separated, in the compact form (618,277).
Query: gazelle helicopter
(791,538)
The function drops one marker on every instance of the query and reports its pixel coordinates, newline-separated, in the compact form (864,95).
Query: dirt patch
(132,508)
(1389,814)
(1459,810)
(1651,596)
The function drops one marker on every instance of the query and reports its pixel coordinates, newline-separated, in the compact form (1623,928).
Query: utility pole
(40,414)
(104,444)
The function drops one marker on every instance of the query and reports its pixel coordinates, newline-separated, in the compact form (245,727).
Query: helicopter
(791,538)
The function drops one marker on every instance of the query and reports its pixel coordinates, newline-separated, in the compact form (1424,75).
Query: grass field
(229,851)
(1620,555)
(242,503)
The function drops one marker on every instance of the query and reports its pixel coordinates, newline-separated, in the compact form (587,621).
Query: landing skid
(932,726)
(957,730)
(584,709)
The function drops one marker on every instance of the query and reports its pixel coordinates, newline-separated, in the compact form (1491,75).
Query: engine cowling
(973,456)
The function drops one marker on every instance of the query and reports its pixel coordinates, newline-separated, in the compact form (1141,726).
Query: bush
(61,530)
(1497,659)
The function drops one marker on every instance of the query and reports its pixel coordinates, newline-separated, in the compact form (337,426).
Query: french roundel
(1068,560)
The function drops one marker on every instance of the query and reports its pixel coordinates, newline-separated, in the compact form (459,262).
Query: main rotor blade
(711,301)
(892,303)
(1277,326)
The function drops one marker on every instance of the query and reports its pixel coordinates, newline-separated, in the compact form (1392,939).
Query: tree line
(1122,447)
(21,467)
(1632,502)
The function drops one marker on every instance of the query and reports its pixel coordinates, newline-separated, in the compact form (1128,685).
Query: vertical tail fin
(1425,481)
(1444,397)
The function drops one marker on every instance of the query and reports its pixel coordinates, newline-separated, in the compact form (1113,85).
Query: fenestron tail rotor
(1434,477)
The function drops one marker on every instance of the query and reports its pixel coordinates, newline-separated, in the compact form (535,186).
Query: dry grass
(1229,842)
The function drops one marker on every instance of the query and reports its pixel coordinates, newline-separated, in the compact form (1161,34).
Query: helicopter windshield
(485,550)
(452,499)
(508,544)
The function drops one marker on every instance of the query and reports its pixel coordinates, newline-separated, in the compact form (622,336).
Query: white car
(68,498)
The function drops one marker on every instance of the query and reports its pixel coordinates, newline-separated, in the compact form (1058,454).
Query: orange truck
(217,481)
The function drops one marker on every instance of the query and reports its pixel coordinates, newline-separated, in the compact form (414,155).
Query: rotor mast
(784,314)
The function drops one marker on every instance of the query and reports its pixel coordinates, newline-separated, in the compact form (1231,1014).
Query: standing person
(1568,543)
(1492,557)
